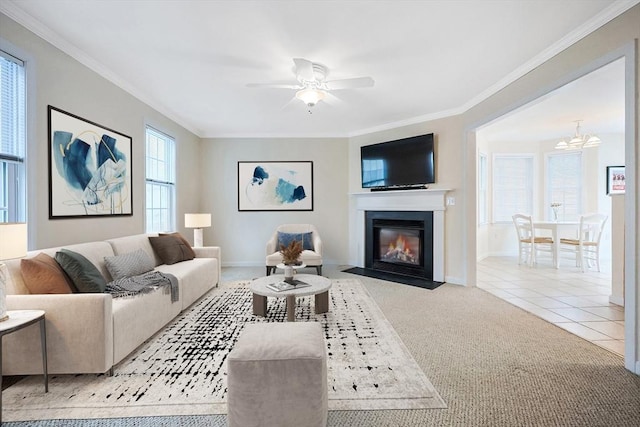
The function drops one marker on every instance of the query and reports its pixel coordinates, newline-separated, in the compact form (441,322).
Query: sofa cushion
(129,264)
(285,239)
(183,240)
(43,275)
(83,273)
(171,249)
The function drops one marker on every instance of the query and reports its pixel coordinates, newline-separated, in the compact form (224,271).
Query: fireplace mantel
(404,200)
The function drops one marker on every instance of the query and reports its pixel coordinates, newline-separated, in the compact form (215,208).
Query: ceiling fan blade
(354,83)
(332,100)
(304,69)
(288,105)
(274,85)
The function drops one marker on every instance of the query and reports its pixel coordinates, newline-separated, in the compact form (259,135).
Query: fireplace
(400,242)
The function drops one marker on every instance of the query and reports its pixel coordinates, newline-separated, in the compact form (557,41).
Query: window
(12,139)
(564,185)
(160,182)
(512,186)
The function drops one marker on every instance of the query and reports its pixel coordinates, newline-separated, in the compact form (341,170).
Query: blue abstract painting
(284,186)
(90,168)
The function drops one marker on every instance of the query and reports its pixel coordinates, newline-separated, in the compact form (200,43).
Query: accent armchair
(312,245)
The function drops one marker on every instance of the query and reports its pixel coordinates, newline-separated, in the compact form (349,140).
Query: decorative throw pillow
(171,249)
(185,241)
(85,275)
(129,264)
(43,275)
(285,239)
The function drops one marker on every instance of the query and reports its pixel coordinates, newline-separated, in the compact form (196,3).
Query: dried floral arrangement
(291,253)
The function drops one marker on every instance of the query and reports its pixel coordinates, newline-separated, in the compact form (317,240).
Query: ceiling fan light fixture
(562,145)
(311,96)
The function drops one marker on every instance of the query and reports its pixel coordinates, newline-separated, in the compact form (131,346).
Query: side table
(20,319)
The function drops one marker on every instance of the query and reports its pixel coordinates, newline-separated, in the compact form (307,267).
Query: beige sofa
(92,332)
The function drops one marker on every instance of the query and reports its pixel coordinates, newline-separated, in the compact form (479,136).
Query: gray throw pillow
(84,275)
(171,249)
(129,264)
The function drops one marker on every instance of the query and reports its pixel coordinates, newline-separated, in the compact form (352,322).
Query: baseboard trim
(617,300)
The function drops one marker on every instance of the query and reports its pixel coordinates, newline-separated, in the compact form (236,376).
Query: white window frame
(483,193)
(527,205)
(563,215)
(160,182)
(13,127)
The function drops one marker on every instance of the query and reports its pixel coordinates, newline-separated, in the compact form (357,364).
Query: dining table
(568,229)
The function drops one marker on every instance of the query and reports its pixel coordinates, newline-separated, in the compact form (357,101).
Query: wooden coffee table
(319,287)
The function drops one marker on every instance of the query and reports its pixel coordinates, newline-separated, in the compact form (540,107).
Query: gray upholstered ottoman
(277,376)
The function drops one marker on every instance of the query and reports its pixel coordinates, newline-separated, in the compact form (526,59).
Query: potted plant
(290,257)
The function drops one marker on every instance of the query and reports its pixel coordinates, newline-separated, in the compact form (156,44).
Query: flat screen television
(403,163)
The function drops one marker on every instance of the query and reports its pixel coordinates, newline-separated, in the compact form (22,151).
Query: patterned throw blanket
(147,282)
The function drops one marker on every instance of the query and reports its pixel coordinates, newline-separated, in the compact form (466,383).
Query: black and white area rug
(182,369)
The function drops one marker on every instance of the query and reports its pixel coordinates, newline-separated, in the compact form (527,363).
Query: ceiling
(194,60)
(598,99)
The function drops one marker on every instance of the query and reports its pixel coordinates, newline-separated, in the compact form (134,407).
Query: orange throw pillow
(43,275)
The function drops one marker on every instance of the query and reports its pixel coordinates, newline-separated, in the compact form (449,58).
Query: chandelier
(578,141)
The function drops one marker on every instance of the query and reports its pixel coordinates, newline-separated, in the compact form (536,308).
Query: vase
(288,273)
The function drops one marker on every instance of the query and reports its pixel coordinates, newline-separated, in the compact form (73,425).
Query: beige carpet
(494,364)
(182,370)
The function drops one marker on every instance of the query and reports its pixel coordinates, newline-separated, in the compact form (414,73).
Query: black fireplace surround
(400,243)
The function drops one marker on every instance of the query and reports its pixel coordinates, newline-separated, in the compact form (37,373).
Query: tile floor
(566,297)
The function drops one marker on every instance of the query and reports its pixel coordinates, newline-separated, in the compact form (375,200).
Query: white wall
(243,235)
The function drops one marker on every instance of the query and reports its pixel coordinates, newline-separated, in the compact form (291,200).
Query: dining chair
(587,246)
(528,242)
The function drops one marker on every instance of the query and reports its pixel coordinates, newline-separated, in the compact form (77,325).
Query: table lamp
(197,222)
(13,244)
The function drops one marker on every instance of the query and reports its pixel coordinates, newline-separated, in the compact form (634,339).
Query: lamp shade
(310,96)
(13,240)
(193,220)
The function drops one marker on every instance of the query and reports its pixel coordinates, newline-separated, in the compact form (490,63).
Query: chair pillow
(185,241)
(285,239)
(85,276)
(129,264)
(171,249)
(43,275)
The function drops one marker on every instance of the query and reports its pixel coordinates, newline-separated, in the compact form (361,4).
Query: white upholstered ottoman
(277,376)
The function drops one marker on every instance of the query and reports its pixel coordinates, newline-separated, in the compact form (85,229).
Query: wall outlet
(451,201)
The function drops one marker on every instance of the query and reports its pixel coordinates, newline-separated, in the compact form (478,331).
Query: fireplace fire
(399,246)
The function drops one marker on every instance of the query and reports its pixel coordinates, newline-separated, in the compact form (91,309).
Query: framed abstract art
(275,186)
(89,168)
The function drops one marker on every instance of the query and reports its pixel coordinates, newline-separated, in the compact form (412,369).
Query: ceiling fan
(313,85)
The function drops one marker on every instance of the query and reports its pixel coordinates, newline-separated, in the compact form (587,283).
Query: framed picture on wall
(615,180)
(89,168)
(275,186)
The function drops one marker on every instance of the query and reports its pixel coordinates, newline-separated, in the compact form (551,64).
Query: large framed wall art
(89,168)
(275,186)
